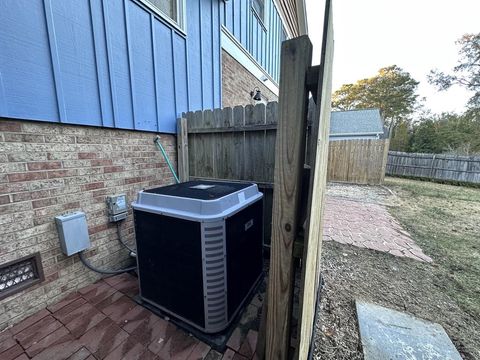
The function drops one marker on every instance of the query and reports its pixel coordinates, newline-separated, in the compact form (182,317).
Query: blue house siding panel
(101,58)
(195,55)
(181,89)
(27,87)
(116,29)
(229,14)
(263,48)
(76,60)
(275,50)
(142,67)
(164,75)
(216,50)
(237,18)
(268,45)
(110,63)
(206,43)
(244,23)
(255,38)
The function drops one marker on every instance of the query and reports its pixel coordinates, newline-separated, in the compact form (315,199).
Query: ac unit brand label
(248,224)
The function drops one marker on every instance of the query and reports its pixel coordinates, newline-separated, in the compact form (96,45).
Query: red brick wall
(48,169)
(238,82)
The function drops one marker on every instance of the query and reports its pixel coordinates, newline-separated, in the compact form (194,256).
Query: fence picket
(239,143)
(270,135)
(239,138)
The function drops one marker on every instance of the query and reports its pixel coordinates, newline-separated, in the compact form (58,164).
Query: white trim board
(236,50)
(302,18)
(283,19)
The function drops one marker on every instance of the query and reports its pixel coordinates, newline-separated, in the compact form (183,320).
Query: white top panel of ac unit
(198,200)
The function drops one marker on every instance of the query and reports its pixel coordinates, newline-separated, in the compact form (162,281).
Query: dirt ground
(445,222)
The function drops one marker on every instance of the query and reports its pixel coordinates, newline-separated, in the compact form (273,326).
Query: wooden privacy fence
(360,161)
(434,166)
(239,143)
(233,143)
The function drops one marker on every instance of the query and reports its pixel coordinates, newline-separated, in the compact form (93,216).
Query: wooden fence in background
(233,143)
(440,167)
(239,143)
(359,161)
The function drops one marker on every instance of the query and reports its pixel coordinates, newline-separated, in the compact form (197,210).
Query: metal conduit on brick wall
(49,169)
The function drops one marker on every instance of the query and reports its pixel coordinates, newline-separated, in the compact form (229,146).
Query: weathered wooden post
(296,57)
(297,78)
(182,149)
(310,283)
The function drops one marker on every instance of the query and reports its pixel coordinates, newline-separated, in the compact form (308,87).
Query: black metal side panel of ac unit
(244,253)
(170,264)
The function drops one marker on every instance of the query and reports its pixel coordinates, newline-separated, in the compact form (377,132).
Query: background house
(357,124)
(85,84)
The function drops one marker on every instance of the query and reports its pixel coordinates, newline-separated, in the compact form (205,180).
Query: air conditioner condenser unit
(199,249)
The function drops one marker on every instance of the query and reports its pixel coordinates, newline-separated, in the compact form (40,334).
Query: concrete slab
(388,334)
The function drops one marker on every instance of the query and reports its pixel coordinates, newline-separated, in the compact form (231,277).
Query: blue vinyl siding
(28,87)
(206,44)
(164,73)
(245,6)
(261,39)
(102,64)
(237,18)
(180,81)
(216,58)
(195,56)
(109,63)
(141,67)
(75,52)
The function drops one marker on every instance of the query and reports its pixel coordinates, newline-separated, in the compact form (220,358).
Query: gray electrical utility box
(73,232)
(117,207)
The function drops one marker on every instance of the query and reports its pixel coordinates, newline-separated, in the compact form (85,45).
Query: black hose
(120,238)
(102,271)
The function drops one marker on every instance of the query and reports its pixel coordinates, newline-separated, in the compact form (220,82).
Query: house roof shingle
(365,121)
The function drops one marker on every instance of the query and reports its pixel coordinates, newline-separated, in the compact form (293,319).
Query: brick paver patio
(101,321)
(368,225)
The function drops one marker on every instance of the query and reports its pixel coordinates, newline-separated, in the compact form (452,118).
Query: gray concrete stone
(388,334)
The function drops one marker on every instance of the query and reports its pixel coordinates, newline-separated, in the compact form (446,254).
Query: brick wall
(238,82)
(48,169)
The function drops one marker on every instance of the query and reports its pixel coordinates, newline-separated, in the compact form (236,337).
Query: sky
(417,35)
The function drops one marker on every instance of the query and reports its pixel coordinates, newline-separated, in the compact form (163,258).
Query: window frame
(180,9)
(255,12)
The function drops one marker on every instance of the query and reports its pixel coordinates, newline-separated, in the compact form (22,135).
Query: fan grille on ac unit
(215,285)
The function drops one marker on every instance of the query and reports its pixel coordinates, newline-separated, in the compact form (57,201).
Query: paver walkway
(368,225)
(101,321)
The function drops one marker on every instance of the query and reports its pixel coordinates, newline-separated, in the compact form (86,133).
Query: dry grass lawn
(444,221)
